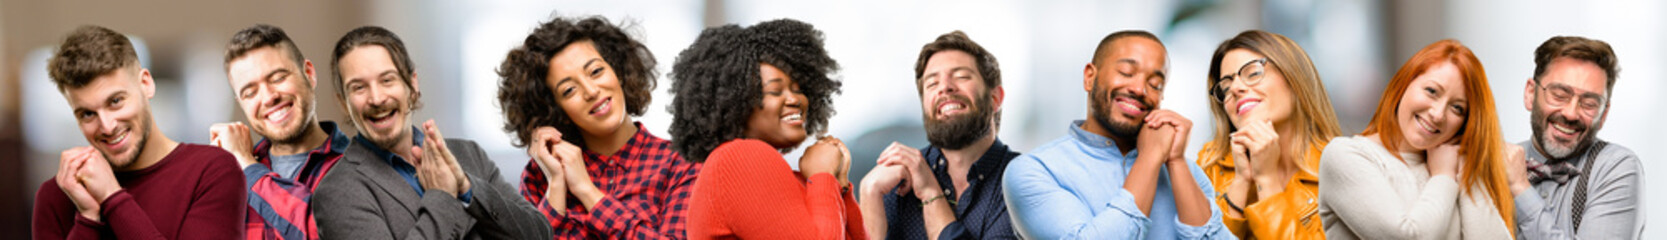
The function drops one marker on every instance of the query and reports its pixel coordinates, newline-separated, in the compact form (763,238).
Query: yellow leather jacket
(1292,214)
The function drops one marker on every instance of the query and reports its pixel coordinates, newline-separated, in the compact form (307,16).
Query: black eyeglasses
(1251,73)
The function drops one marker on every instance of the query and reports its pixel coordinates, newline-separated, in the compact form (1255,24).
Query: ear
(999,94)
(1088,73)
(1602,116)
(415,88)
(1528,95)
(146,84)
(312,77)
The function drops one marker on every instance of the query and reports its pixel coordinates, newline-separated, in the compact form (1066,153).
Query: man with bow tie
(1573,185)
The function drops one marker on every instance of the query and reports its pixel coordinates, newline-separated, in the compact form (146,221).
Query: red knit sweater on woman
(747,191)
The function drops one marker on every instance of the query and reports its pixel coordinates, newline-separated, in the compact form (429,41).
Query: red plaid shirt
(647,186)
(280,208)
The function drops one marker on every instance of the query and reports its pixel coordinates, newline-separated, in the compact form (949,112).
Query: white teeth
(794,117)
(277,115)
(1560,128)
(599,107)
(1128,105)
(1426,125)
(117,139)
(949,107)
(1248,105)
(383,114)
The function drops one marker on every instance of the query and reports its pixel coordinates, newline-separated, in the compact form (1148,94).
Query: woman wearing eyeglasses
(1430,164)
(1272,117)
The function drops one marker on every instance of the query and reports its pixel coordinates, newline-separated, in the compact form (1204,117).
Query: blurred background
(1042,47)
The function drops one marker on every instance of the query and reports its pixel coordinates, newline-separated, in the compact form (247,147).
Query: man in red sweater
(133,182)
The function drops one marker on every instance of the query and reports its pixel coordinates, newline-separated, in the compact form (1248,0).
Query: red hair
(1483,145)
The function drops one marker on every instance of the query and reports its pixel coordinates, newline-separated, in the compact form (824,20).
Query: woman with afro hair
(744,97)
(569,94)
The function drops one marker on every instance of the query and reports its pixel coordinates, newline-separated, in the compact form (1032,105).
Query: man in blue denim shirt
(952,189)
(1094,183)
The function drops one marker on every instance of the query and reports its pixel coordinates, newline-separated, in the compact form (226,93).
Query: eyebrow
(587,65)
(78,109)
(1592,94)
(384,73)
(268,75)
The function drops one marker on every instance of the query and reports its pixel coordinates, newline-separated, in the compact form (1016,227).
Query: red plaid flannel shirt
(647,186)
(280,208)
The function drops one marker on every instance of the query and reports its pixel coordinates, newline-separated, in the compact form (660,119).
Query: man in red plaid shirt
(569,95)
(274,86)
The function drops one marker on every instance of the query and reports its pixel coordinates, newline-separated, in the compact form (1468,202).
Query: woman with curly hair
(569,94)
(744,97)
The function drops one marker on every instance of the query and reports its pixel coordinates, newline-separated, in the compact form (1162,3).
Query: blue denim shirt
(403,167)
(1072,188)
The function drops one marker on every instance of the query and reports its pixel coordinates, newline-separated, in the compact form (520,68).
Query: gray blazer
(364,198)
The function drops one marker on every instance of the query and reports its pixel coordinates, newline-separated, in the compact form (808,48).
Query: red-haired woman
(1429,165)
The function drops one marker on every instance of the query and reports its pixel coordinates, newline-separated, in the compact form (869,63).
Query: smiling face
(587,89)
(1269,99)
(113,112)
(1126,84)
(378,99)
(275,94)
(1434,107)
(778,120)
(1559,130)
(955,103)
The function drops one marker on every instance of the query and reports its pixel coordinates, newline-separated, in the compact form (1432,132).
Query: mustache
(1145,103)
(379,108)
(962,99)
(1559,119)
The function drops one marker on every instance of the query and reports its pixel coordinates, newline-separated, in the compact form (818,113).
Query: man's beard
(143,133)
(958,132)
(1100,100)
(1541,124)
(362,121)
(296,136)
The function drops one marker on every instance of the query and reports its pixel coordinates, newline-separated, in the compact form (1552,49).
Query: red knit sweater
(747,191)
(196,192)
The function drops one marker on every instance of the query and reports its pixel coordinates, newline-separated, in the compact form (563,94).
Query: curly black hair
(528,102)
(717,83)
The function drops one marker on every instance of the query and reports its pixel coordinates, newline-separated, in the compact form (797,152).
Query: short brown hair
(88,52)
(958,41)
(527,100)
(260,36)
(1580,48)
(374,35)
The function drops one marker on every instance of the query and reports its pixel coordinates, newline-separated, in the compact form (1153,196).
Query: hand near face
(437,168)
(1182,128)
(920,177)
(1243,168)
(542,149)
(1516,168)
(1262,143)
(70,163)
(827,155)
(1444,159)
(1158,140)
(234,138)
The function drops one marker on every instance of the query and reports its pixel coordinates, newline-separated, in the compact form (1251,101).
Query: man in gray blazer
(398,181)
